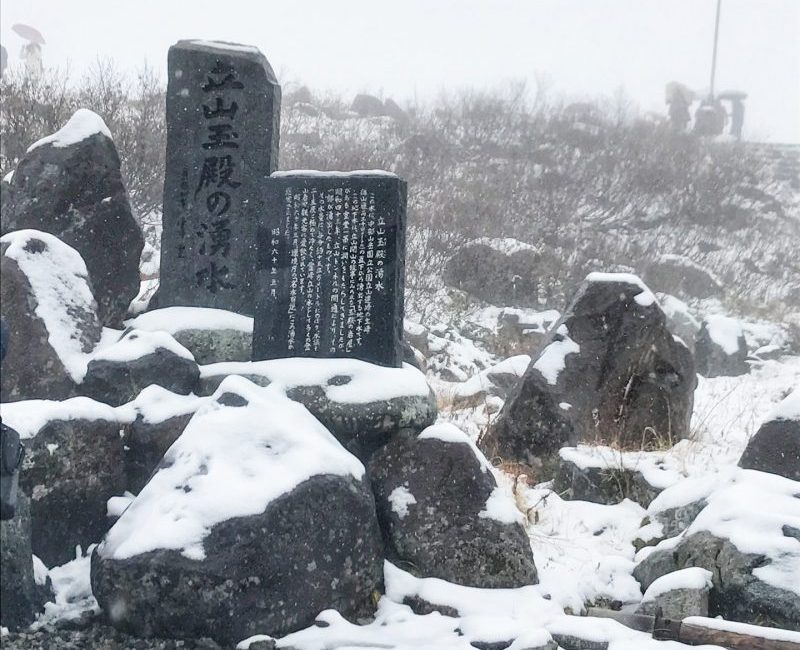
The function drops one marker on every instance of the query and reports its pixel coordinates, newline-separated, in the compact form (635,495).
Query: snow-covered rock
(70,185)
(610,370)
(721,348)
(752,550)
(678,274)
(775,447)
(443,514)
(211,335)
(360,403)
(678,595)
(496,381)
(256,520)
(680,320)
(50,313)
(117,373)
(74,462)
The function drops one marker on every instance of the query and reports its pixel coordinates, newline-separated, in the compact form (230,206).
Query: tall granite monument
(223,116)
(331,267)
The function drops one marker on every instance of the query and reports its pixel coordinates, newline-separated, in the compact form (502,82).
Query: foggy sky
(418,48)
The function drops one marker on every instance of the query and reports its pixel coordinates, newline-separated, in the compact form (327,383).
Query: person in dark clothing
(11,452)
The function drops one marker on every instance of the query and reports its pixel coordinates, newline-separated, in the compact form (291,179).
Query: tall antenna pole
(714,53)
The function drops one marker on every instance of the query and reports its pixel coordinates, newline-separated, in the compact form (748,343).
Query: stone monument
(223,116)
(331,267)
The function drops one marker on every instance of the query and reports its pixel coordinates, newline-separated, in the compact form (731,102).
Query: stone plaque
(223,112)
(331,267)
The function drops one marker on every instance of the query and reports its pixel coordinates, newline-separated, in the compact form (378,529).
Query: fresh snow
(771,633)
(223,45)
(401,498)
(505,245)
(135,344)
(179,319)
(230,461)
(552,360)
(725,332)
(690,578)
(500,506)
(368,382)
(448,432)
(645,298)
(28,417)
(83,124)
(60,284)
(789,408)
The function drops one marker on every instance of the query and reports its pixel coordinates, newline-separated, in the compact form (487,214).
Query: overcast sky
(418,48)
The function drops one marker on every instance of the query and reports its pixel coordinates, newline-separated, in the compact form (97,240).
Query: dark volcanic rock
(502,273)
(775,447)
(255,522)
(21,599)
(610,371)
(71,468)
(443,515)
(720,349)
(679,275)
(50,313)
(138,360)
(70,185)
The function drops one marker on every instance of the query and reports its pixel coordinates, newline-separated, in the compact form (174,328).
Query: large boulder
(50,313)
(678,274)
(211,335)
(721,348)
(678,595)
(503,272)
(255,522)
(752,552)
(610,371)
(117,373)
(443,514)
(21,598)
(775,447)
(360,403)
(69,184)
(74,462)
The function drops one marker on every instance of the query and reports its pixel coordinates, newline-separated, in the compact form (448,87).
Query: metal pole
(714,53)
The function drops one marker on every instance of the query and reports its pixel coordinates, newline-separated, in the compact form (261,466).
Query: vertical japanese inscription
(331,267)
(223,107)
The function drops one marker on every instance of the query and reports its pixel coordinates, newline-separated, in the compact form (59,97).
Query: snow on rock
(340,174)
(788,409)
(31,416)
(448,432)
(645,298)
(208,478)
(505,245)
(689,578)
(725,332)
(83,124)
(500,506)
(401,498)
(365,382)
(72,589)
(137,344)
(177,319)
(64,302)
(552,360)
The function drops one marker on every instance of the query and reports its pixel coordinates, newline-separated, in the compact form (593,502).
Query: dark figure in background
(11,452)
(709,119)
(737,117)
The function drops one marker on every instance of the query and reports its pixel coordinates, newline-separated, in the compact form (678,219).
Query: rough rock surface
(775,447)
(442,514)
(71,468)
(70,185)
(21,599)
(678,595)
(721,349)
(49,310)
(332,390)
(255,522)
(610,371)
(118,373)
(511,273)
(681,276)
(211,335)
